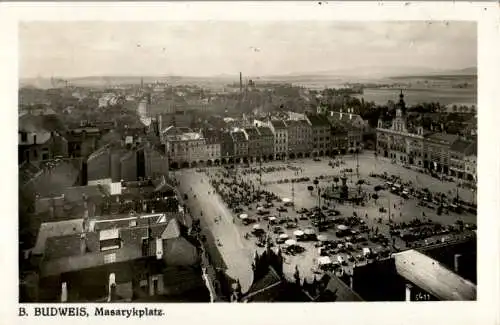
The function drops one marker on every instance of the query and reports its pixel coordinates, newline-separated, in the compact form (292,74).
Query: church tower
(401,107)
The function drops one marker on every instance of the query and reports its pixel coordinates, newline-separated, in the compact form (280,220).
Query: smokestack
(456,261)
(241,82)
(111,288)
(64,292)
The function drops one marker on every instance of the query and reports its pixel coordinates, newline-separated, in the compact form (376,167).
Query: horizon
(257,49)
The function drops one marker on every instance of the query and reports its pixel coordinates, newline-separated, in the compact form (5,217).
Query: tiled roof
(265,131)
(252,133)
(346,117)
(278,124)
(460,145)
(442,137)
(339,289)
(318,120)
(41,123)
(176,251)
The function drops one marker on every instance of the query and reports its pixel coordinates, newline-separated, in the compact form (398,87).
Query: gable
(172,230)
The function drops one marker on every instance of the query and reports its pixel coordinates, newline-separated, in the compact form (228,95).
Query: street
(234,253)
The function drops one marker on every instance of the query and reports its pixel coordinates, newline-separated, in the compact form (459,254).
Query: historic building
(254,143)
(241,146)
(280,139)
(227,145)
(40,138)
(461,159)
(299,138)
(399,141)
(267,142)
(213,143)
(437,148)
(186,150)
(321,132)
(339,139)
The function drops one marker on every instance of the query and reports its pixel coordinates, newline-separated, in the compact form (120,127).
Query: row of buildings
(410,144)
(250,140)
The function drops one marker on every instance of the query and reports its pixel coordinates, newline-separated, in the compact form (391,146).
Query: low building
(40,137)
(435,273)
(82,141)
(118,258)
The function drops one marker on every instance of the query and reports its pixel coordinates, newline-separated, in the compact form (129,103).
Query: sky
(78,49)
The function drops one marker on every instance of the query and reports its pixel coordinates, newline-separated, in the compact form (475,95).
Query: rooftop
(466,147)
(252,133)
(442,137)
(239,136)
(265,131)
(433,277)
(278,124)
(212,135)
(318,120)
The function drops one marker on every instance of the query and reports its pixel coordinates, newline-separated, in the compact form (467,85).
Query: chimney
(111,288)
(340,113)
(64,292)
(456,264)
(351,282)
(83,243)
(159,248)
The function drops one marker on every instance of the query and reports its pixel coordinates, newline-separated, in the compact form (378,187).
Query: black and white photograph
(249,161)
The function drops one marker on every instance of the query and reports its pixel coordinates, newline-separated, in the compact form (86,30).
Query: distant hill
(451,74)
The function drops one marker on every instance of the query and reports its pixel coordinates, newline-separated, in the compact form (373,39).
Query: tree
(316,182)
(336,180)
(375,197)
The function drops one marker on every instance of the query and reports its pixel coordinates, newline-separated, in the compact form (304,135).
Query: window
(109,258)
(24,136)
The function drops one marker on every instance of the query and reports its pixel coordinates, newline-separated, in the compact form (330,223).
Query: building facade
(254,144)
(321,132)
(299,138)
(186,150)
(213,139)
(227,145)
(267,142)
(437,152)
(398,142)
(280,139)
(241,146)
